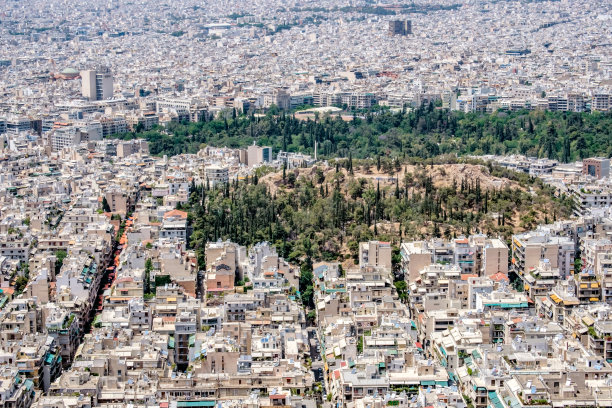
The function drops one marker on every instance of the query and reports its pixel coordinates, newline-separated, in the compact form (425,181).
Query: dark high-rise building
(408,27)
(399,27)
(396,27)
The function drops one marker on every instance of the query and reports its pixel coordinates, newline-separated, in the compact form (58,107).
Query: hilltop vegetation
(424,133)
(322,213)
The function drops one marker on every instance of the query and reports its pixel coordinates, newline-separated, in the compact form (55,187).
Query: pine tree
(549,141)
(566,150)
(105,206)
(436,230)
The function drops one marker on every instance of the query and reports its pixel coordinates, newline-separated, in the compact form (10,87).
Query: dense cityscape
(301,204)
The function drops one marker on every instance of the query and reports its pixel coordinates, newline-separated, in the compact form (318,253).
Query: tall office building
(97,84)
(399,27)
(408,27)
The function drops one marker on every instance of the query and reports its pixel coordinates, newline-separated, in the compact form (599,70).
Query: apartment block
(375,254)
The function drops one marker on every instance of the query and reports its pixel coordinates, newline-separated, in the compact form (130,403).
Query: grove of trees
(424,132)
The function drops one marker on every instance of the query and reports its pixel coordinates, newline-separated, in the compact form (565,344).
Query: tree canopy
(424,132)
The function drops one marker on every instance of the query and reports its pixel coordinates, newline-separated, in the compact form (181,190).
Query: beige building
(529,248)
(125,149)
(494,257)
(415,257)
(375,253)
(118,201)
(97,85)
(258,155)
(278,97)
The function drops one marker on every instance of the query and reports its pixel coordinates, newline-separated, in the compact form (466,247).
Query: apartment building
(119,201)
(476,254)
(590,196)
(112,125)
(531,247)
(65,136)
(216,175)
(277,97)
(375,254)
(224,266)
(128,148)
(174,225)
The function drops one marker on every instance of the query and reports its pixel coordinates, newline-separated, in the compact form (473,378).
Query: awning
(49,358)
(381,365)
(555,298)
(495,401)
(428,382)
(418,345)
(185,404)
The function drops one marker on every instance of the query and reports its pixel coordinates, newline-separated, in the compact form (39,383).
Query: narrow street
(109,277)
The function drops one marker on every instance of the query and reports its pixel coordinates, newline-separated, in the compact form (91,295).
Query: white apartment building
(65,137)
(216,175)
(591,196)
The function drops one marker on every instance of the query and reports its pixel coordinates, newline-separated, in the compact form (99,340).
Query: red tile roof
(175,213)
(499,276)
